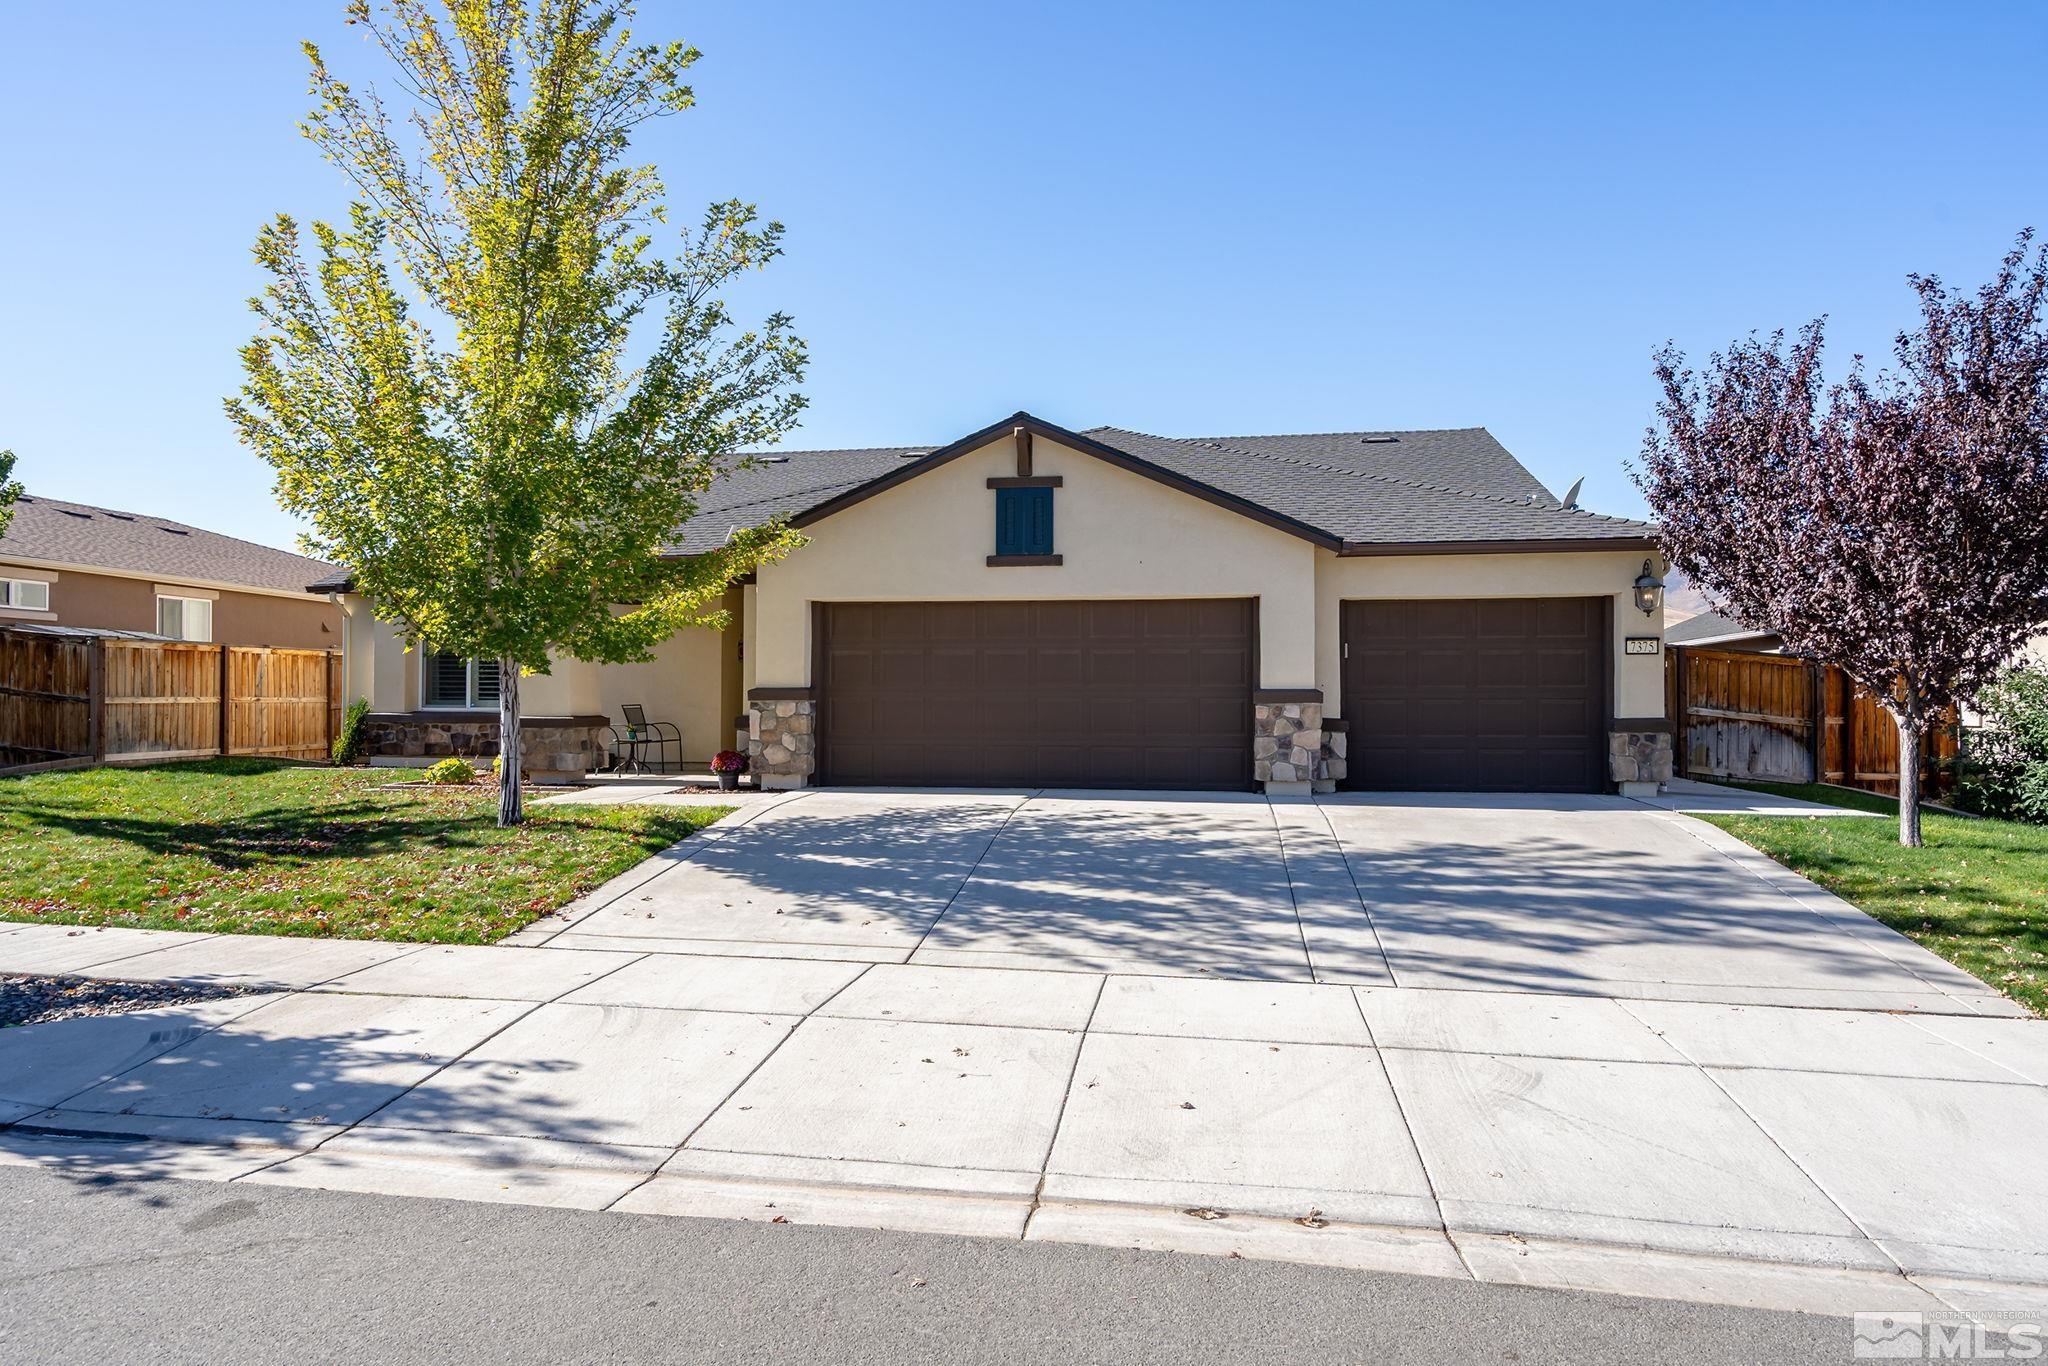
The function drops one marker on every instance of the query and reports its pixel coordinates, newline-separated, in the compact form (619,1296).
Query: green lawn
(254,847)
(1976,893)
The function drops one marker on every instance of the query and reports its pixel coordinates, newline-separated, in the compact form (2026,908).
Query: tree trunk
(510,811)
(1910,728)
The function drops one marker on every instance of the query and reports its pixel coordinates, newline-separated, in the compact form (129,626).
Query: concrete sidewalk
(1389,1034)
(1808,1159)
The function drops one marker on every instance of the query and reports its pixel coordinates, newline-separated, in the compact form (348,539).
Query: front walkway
(1559,1041)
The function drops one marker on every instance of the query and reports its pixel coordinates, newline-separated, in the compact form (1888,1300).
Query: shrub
(2004,771)
(348,742)
(452,771)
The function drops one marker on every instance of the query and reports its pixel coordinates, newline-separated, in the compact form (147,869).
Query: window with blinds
(451,680)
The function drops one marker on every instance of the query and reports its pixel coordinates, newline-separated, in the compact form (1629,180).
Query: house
(1034,606)
(1711,630)
(76,565)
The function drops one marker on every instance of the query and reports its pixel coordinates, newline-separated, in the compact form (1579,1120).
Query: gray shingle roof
(137,543)
(1361,488)
(1708,626)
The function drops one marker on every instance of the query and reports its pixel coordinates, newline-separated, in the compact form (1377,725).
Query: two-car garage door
(1153,694)
(1449,695)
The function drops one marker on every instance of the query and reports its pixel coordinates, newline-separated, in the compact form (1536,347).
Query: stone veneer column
(1287,745)
(782,749)
(1335,765)
(1638,760)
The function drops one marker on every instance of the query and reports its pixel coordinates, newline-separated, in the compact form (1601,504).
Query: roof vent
(122,516)
(775,460)
(1376,440)
(175,531)
(71,512)
(913,455)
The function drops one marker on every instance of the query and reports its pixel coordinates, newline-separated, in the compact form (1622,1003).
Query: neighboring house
(72,564)
(1032,606)
(1712,630)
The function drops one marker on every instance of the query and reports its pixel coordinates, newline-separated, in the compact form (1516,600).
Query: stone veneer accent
(552,749)
(782,742)
(1287,741)
(1639,756)
(1335,765)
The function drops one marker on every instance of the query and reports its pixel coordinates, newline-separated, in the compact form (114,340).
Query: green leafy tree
(9,490)
(488,393)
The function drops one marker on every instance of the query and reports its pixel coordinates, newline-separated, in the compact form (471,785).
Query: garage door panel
(1479,694)
(1084,693)
(1059,666)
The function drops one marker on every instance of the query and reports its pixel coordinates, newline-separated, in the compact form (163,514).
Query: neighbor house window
(457,681)
(27,595)
(1024,521)
(184,618)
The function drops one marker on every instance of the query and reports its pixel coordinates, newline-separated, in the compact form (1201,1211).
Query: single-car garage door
(1476,695)
(1036,694)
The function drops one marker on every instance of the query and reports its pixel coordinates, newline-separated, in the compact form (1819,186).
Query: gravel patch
(28,998)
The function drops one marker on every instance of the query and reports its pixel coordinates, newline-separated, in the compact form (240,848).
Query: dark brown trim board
(1494,547)
(1001,561)
(1287,694)
(1655,725)
(1026,481)
(782,694)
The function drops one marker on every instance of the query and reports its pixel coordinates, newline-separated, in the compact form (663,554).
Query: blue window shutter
(1023,521)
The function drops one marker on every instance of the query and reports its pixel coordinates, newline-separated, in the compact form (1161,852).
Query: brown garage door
(1036,694)
(1477,695)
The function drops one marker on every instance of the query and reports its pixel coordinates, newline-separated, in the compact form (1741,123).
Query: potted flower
(728,764)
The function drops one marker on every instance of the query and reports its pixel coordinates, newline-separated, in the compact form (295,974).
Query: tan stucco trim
(179,590)
(15,569)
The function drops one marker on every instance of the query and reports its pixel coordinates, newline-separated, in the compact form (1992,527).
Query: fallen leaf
(1313,1219)
(1204,1212)
(1187,1105)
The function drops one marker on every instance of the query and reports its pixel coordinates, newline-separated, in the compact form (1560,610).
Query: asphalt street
(101,1270)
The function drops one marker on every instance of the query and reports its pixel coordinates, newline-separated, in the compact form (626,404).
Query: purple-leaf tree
(1894,525)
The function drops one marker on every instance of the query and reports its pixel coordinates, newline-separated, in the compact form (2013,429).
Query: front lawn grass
(250,846)
(1976,893)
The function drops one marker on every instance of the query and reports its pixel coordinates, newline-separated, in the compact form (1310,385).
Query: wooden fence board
(66,698)
(1777,718)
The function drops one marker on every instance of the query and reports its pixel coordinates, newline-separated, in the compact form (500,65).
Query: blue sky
(1191,218)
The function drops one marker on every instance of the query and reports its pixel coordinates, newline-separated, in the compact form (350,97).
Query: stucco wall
(682,684)
(693,681)
(1638,679)
(118,603)
(1122,536)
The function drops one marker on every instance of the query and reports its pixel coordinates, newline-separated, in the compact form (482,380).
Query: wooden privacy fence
(72,700)
(1777,718)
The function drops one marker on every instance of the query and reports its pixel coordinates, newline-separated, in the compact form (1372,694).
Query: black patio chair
(631,743)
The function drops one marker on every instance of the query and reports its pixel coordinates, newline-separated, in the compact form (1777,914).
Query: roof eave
(1086,445)
(1499,546)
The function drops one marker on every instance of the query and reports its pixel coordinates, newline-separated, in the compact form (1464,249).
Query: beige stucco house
(1033,606)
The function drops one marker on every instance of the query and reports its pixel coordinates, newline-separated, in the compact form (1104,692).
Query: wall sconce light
(1649,591)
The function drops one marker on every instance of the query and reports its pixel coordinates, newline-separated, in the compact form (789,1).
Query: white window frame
(185,609)
(14,598)
(470,700)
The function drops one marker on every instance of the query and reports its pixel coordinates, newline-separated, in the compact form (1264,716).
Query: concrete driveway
(1581,1042)
(1588,895)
